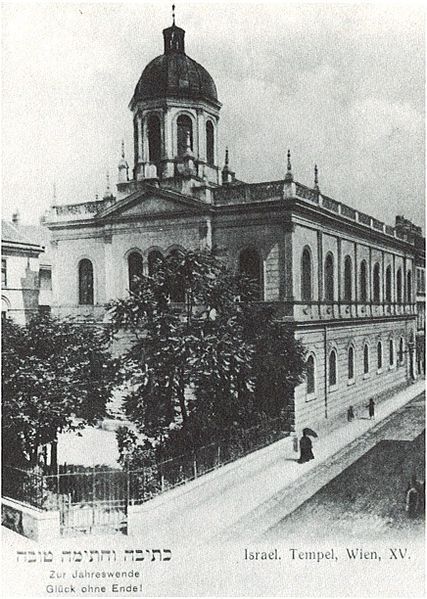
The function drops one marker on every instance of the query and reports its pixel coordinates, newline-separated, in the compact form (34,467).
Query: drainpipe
(326,370)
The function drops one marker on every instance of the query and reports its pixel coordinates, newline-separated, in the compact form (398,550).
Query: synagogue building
(343,280)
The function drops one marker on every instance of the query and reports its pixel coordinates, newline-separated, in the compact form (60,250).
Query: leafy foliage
(57,376)
(214,361)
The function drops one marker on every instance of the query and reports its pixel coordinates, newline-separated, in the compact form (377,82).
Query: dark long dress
(305,446)
(371,407)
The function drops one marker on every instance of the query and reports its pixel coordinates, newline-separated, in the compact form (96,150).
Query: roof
(175,75)
(33,236)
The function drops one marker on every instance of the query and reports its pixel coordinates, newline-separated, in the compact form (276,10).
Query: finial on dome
(316,177)
(96,195)
(123,148)
(226,157)
(289,176)
(173,13)
(107,190)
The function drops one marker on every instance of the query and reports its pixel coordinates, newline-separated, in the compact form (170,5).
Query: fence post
(218,455)
(162,477)
(195,466)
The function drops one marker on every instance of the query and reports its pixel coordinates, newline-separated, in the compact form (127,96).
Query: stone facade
(340,278)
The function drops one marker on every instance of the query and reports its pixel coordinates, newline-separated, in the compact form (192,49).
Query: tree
(214,361)
(57,376)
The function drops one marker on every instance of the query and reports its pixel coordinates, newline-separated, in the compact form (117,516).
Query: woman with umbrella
(305,445)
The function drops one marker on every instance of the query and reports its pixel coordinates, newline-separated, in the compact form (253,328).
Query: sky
(340,84)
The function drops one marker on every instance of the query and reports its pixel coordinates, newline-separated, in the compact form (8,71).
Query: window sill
(366,375)
(332,388)
(351,382)
(310,397)
(379,371)
(392,367)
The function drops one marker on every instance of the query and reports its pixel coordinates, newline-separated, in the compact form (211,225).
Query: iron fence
(92,498)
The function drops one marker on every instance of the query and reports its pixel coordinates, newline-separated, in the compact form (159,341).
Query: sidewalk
(237,500)
(222,504)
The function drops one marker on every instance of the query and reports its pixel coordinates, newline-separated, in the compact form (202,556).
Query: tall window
(388,284)
(391,352)
(154,259)
(3,272)
(363,282)
(329,278)
(399,286)
(379,355)
(310,375)
(332,368)
(135,269)
(347,279)
(401,350)
(366,359)
(250,265)
(85,282)
(135,138)
(154,139)
(184,126)
(376,282)
(350,363)
(210,154)
(409,287)
(306,276)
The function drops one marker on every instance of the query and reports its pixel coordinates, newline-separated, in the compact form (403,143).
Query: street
(367,500)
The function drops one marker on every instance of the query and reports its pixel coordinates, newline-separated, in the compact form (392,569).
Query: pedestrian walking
(371,409)
(412,499)
(305,445)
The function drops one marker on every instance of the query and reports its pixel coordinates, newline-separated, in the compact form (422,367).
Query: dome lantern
(175,95)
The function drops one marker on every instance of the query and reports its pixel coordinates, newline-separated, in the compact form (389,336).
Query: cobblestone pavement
(367,499)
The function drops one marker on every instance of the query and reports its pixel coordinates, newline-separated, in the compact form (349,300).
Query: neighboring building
(26,270)
(405,226)
(342,279)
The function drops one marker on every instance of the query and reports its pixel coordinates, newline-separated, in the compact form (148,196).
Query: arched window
(154,139)
(154,259)
(310,375)
(306,276)
(85,282)
(332,368)
(347,279)
(366,359)
(409,287)
(350,363)
(388,284)
(210,152)
(250,265)
(135,271)
(391,352)
(399,286)
(379,355)
(363,282)
(329,278)
(184,127)
(135,139)
(401,350)
(376,282)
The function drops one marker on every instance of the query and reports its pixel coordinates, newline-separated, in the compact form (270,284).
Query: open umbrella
(310,432)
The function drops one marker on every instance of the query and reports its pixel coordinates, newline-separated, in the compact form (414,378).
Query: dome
(174,74)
